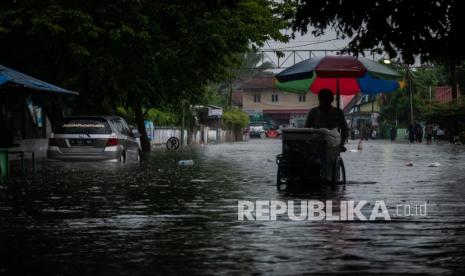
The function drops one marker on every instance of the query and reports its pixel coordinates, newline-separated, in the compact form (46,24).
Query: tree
(430,29)
(247,66)
(396,105)
(235,120)
(136,54)
(252,65)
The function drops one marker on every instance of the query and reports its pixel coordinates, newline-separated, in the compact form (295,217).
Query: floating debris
(434,164)
(201,180)
(186,163)
(409,164)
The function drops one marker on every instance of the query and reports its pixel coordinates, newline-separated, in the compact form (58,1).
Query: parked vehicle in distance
(94,138)
(256,131)
(272,133)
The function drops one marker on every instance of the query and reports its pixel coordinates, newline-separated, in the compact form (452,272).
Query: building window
(274,98)
(256,98)
(302,98)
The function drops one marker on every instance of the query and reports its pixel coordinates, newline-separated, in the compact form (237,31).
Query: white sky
(328,41)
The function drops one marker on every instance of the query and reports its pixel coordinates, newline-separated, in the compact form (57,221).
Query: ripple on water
(112,220)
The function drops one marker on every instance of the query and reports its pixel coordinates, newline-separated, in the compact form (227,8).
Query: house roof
(346,100)
(351,103)
(257,83)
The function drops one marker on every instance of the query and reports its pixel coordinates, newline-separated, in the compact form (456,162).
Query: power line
(303,45)
(299,41)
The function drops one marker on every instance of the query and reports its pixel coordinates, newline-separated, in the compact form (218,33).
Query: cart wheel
(278,180)
(339,172)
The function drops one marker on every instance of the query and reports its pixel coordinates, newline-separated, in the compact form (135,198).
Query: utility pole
(409,80)
(230,89)
(183,121)
(410,88)
(230,92)
(182,124)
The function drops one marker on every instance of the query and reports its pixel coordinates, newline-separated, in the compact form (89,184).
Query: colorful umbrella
(345,75)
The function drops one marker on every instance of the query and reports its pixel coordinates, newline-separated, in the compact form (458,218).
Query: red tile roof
(346,100)
(257,83)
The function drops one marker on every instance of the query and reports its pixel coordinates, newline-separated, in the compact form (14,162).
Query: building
(362,110)
(209,115)
(263,102)
(443,94)
(24,105)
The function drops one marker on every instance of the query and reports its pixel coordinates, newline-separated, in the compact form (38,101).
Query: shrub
(235,119)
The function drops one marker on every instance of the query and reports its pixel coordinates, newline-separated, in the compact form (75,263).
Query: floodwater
(158,218)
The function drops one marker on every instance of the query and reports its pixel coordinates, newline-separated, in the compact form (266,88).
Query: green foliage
(249,65)
(397,104)
(443,112)
(252,64)
(126,113)
(445,75)
(163,118)
(216,94)
(449,115)
(430,29)
(137,54)
(235,119)
(157,116)
(119,52)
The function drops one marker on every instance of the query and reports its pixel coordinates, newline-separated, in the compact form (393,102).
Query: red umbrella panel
(344,75)
(346,86)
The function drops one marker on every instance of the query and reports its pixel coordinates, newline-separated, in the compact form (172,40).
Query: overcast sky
(328,41)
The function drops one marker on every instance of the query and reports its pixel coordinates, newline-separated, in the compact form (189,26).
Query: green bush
(235,119)
(163,118)
(158,117)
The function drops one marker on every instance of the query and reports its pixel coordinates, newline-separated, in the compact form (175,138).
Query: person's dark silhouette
(327,116)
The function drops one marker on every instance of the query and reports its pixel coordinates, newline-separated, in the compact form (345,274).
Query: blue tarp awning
(11,80)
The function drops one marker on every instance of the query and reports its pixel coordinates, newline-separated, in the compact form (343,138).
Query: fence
(200,135)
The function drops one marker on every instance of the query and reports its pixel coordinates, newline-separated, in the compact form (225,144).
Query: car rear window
(84,126)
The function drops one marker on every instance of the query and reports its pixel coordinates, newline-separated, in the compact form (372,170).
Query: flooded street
(157,218)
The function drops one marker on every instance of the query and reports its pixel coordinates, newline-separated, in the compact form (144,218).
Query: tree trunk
(139,117)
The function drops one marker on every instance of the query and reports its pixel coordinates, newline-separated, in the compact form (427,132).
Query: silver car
(92,138)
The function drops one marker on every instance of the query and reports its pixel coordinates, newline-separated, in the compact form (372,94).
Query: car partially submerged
(94,138)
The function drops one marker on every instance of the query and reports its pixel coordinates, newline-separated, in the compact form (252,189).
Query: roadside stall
(24,123)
